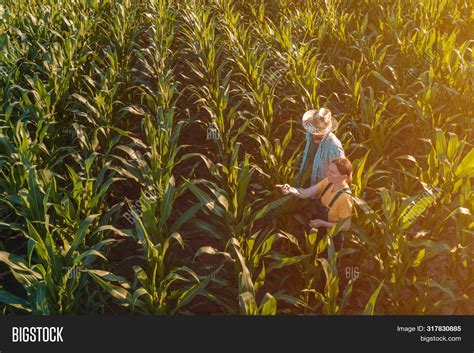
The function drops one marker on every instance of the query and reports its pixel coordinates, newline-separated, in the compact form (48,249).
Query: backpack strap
(339,193)
(326,189)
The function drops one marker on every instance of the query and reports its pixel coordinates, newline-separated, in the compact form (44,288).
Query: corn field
(141,141)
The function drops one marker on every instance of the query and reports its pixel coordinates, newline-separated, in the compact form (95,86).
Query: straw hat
(319,122)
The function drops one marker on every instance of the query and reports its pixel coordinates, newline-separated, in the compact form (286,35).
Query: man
(321,146)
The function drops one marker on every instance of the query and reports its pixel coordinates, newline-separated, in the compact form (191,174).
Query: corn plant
(215,96)
(52,270)
(167,124)
(161,285)
(399,256)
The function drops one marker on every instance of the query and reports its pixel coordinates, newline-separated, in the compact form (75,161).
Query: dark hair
(344,166)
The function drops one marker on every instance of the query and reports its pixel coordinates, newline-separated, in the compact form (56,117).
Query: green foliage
(198,104)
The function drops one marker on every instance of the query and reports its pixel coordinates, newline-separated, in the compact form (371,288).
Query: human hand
(287,189)
(316,223)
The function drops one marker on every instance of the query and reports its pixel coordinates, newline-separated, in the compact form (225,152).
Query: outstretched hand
(286,189)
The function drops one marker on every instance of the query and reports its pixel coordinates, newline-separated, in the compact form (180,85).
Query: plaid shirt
(329,148)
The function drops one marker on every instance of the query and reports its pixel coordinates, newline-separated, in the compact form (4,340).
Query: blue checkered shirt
(329,148)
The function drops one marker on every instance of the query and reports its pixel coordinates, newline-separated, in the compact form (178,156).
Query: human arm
(302,193)
(316,223)
(342,211)
(334,148)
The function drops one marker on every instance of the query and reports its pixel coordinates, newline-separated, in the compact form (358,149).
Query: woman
(333,201)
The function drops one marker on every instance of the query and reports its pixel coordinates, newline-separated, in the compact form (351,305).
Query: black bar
(248,334)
